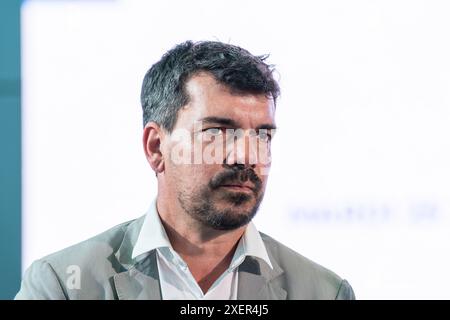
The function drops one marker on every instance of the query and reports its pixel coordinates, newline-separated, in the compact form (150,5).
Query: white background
(360,181)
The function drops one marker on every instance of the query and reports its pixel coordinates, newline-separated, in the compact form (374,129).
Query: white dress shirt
(175,278)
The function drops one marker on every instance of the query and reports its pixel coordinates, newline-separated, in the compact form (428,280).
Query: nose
(242,150)
(237,166)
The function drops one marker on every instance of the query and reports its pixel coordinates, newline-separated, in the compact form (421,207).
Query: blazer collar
(140,282)
(123,254)
(140,278)
(257,281)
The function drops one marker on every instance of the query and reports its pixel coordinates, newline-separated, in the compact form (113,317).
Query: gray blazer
(107,271)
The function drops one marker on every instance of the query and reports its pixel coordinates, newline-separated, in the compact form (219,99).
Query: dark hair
(163,89)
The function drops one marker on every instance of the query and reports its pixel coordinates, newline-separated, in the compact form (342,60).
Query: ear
(151,140)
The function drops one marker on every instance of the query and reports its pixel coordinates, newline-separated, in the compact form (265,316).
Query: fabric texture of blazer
(107,271)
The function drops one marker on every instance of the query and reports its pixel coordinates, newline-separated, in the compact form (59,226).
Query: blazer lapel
(257,281)
(139,279)
(141,282)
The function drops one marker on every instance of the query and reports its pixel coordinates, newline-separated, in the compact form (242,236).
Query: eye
(264,135)
(213,131)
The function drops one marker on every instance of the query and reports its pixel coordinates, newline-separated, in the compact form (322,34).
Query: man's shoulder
(288,258)
(83,270)
(304,276)
(96,252)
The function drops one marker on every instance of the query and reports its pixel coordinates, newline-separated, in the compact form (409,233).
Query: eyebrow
(266,126)
(219,120)
(232,123)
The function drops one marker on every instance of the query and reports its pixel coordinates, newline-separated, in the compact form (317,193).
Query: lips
(239,187)
(236,180)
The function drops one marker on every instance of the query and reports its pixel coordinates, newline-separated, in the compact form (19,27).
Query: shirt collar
(251,244)
(153,236)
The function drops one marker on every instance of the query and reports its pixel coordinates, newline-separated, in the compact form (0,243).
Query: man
(208,111)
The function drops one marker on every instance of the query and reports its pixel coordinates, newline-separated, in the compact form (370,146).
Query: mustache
(236,174)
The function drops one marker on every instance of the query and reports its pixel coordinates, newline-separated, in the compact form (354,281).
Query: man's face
(219,174)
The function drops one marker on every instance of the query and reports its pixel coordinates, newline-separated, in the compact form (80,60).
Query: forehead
(208,98)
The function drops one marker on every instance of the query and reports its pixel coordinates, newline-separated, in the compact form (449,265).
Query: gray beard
(200,206)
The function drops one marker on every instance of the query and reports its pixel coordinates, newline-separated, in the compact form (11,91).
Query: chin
(237,199)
